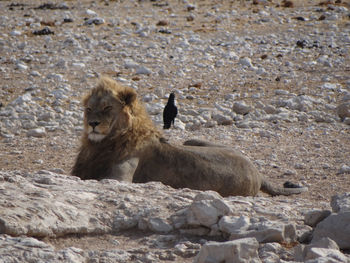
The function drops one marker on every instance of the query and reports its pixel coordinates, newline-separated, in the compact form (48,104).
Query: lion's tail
(269,188)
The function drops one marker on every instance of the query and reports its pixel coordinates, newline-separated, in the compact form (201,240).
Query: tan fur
(132,149)
(126,128)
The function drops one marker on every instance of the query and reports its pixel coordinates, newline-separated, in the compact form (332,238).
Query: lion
(121,142)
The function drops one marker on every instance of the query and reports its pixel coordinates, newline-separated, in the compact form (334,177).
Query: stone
(38,132)
(330,254)
(222,119)
(229,224)
(241,108)
(237,251)
(336,227)
(143,70)
(340,203)
(159,225)
(344,169)
(324,248)
(268,231)
(246,62)
(312,218)
(343,110)
(206,210)
(94,21)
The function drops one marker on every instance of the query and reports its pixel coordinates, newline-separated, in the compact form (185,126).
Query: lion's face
(106,112)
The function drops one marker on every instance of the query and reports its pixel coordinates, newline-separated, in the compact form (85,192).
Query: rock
(344,169)
(324,248)
(241,108)
(336,227)
(246,62)
(313,217)
(44,31)
(154,108)
(15,33)
(159,225)
(242,250)
(222,119)
(343,111)
(328,255)
(143,70)
(268,231)
(229,224)
(38,132)
(94,21)
(270,252)
(205,211)
(90,12)
(21,66)
(340,203)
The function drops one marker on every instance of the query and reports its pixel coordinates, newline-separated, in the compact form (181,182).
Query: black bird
(170,112)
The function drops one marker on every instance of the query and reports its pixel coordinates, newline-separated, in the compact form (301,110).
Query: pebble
(344,169)
(246,62)
(241,107)
(143,70)
(231,64)
(38,132)
(94,21)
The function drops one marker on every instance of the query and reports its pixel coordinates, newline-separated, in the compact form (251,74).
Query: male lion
(121,142)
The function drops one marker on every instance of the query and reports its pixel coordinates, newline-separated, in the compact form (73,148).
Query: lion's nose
(93,124)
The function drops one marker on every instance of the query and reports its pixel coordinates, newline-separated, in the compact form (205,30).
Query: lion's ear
(128,96)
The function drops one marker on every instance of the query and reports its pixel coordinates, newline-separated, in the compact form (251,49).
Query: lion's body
(200,168)
(129,147)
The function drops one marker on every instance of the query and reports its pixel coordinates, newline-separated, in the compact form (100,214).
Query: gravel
(240,78)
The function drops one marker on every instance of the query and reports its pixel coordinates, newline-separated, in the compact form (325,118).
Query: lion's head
(111,109)
(108,108)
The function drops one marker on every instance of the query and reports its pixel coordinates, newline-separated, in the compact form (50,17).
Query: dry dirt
(320,152)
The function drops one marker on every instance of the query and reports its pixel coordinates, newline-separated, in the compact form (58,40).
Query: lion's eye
(106,109)
(88,109)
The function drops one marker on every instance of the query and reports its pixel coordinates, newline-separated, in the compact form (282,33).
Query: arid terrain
(263,77)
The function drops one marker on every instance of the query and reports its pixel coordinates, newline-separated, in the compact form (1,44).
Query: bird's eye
(106,109)
(88,109)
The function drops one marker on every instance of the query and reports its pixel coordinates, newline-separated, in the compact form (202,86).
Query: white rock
(78,65)
(268,231)
(241,107)
(230,224)
(159,225)
(324,248)
(15,33)
(38,132)
(246,62)
(340,203)
(336,227)
(35,73)
(344,169)
(90,12)
(206,210)
(329,86)
(21,66)
(55,76)
(313,217)
(154,108)
(130,64)
(26,97)
(143,70)
(242,250)
(222,119)
(331,255)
